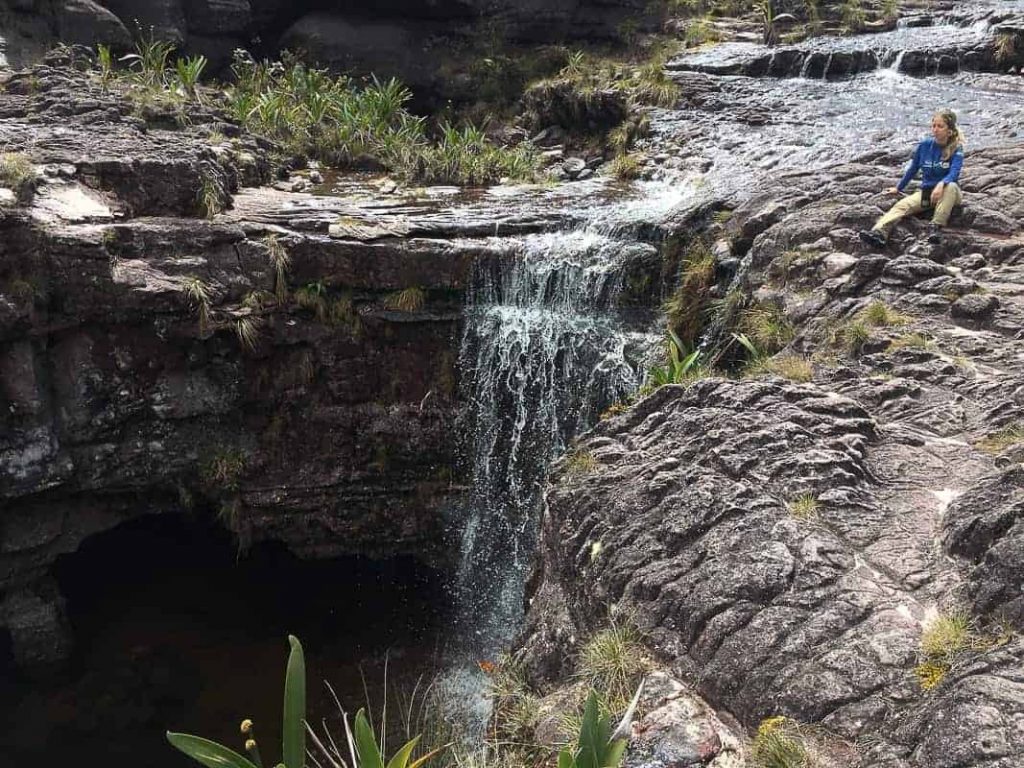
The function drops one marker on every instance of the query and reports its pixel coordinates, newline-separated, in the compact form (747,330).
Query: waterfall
(544,350)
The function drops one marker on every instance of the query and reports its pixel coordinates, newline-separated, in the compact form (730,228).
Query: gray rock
(974,306)
(573,166)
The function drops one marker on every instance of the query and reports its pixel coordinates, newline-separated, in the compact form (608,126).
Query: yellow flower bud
(250,745)
(246,725)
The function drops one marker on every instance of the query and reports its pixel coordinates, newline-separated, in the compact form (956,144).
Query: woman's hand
(937,193)
(893,191)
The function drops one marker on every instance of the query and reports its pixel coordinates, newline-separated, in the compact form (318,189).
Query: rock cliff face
(397,29)
(125,392)
(783,545)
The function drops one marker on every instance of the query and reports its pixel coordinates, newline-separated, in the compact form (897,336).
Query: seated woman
(939,159)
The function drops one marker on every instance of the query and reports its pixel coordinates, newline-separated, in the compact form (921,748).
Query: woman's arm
(956,162)
(915,163)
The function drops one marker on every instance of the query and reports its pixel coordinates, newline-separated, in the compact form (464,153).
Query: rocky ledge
(177,333)
(784,545)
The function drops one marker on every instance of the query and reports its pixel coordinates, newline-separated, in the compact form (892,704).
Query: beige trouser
(911,204)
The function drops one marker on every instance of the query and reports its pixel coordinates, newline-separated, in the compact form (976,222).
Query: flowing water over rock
(546,348)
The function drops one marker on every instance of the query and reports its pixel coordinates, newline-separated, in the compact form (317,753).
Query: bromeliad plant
(364,750)
(598,746)
(293,749)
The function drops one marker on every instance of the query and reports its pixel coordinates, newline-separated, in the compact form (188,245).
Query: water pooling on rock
(545,349)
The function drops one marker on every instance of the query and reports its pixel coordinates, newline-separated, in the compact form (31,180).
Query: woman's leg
(950,197)
(908,206)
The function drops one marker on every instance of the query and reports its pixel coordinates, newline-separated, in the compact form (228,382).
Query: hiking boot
(934,234)
(874,237)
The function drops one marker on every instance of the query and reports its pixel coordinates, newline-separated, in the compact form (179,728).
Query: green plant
(911,341)
(281,261)
(224,469)
(999,441)
(293,748)
(685,306)
(767,327)
(188,71)
(613,661)
(613,410)
(852,335)
(813,10)
(105,58)
(313,296)
(683,364)
(625,167)
(247,329)
(852,15)
(407,300)
(880,315)
(770,20)
(701,31)
(209,196)
(365,751)
(756,354)
(149,61)
(598,746)
(890,10)
(778,744)
(1006,48)
(200,298)
(580,461)
(17,173)
(792,367)
(945,637)
(804,507)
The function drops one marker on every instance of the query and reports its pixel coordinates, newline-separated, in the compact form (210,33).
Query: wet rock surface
(783,546)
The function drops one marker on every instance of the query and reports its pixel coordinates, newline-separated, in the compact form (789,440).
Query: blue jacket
(928,158)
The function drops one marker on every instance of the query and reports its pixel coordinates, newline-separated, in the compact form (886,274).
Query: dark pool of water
(175,631)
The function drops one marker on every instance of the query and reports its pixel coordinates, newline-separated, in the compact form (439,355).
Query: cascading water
(545,349)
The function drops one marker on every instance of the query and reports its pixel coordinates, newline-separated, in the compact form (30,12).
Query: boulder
(87,23)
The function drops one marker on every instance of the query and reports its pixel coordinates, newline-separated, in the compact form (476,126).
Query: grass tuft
(792,367)
(625,167)
(778,744)
(612,662)
(804,507)
(407,300)
(767,327)
(997,442)
(17,173)
(878,314)
(685,306)
(579,462)
(247,329)
(200,298)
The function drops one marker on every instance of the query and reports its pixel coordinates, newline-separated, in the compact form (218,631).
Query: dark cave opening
(175,630)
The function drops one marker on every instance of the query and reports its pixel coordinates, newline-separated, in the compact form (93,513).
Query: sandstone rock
(836,264)
(87,23)
(974,306)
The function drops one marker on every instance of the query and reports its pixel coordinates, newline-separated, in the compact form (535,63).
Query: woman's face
(940,130)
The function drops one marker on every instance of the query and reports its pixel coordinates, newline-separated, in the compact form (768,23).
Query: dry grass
(792,367)
(580,462)
(912,341)
(804,507)
(997,442)
(17,173)
(767,326)
(779,744)
(625,167)
(880,315)
(407,300)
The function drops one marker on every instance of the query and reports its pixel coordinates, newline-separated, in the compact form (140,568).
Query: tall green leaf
(401,757)
(294,731)
(366,743)
(209,753)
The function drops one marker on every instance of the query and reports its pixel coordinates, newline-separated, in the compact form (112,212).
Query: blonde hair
(956,136)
